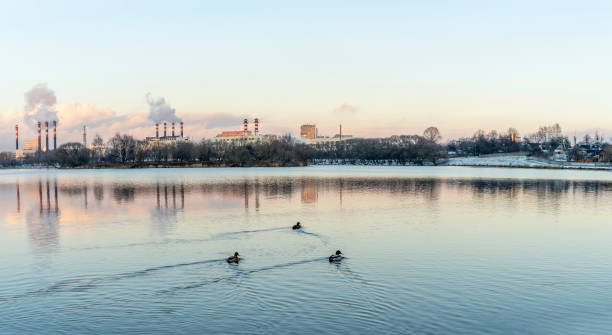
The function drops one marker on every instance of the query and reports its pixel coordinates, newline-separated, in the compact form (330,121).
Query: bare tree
(432,134)
(122,148)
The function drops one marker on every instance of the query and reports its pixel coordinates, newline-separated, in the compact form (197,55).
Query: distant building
(328,140)
(308,131)
(559,154)
(166,139)
(515,138)
(243,136)
(239,137)
(31,147)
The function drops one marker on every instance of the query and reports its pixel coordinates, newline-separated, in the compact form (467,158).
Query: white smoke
(39,105)
(160,110)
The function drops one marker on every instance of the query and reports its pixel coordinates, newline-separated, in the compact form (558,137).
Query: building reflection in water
(309,191)
(42,223)
(42,216)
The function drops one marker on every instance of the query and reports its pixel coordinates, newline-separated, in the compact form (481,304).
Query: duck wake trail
(84,283)
(216,237)
(239,273)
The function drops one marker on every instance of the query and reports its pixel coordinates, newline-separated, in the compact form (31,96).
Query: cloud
(40,103)
(346,108)
(160,110)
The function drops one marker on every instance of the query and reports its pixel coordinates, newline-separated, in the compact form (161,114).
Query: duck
(297,226)
(234,259)
(336,257)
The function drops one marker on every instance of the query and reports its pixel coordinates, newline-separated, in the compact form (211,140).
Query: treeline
(544,141)
(126,151)
(402,149)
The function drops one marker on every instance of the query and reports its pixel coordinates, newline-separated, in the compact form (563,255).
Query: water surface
(436,250)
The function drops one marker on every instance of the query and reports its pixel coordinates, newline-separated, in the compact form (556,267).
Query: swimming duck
(234,259)
(297,226)
(336,257)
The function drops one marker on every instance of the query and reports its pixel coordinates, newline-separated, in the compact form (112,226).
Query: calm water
(430,250)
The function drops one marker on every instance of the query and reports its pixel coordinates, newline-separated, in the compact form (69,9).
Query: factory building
(310,134)
(242,136)
(308,131)
(167,139)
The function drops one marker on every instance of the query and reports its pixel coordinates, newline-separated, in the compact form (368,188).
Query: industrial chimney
(164,128)
(181,128)
(46,135)
(246,127)
(54,135)
(16,137)
(256,126)
(157,130)
(38,136)
(172,128)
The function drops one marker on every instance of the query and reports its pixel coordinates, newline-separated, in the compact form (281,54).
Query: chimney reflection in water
(55,195)
(257,195)
(40,196)
(18,199)
(85,195)
(158,195)
(48,199)
(173,196)
(165,196)
(182,195)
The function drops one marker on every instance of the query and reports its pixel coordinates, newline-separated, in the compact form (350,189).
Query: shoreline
(448,163)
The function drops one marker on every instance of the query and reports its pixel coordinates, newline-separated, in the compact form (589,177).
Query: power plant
(36,146)
(166,138)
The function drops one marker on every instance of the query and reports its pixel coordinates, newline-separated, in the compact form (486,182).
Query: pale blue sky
(460,65)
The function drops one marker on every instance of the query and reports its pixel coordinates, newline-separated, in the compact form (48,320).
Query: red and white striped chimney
(256,126)
(164,128)
(46,135)
(54,135)
(181,128)
(16,137)
(38,136)
(157,130)
(172,128)
(246,127)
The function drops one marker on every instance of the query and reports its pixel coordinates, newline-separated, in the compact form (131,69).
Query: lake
(429,250)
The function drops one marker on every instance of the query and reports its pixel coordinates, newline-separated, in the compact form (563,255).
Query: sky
(378,67)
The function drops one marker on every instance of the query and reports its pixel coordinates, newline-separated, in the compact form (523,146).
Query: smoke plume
(39,105)
(160,110)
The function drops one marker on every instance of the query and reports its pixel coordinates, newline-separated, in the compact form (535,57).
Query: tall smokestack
(181,128)
(341,131)
(85,136)
(172,128)
(256,126)
(38,136)
(246,127)
(46,135)
(16,137)
(164,128)
(54,135)
(157,130)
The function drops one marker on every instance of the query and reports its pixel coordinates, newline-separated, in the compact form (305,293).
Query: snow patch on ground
(522,161)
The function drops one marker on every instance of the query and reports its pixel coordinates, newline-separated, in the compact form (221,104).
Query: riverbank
(522,161)
(501,161)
